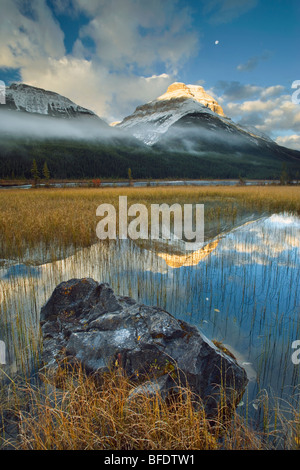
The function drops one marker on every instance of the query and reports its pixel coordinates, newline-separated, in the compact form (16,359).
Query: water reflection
(21,270)
(241,288)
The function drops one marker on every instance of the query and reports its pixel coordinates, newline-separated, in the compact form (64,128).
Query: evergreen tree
(35,172)
(46,173)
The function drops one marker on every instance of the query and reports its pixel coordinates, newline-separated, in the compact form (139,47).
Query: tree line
(77,160)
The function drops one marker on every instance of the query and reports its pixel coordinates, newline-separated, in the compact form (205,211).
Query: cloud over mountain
(113,56)
(269,109)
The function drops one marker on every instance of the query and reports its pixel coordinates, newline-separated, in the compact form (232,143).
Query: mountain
(45,126)
(29,99)
(182,134)
(186,119)
(36,114)
(150,121)
(31,112)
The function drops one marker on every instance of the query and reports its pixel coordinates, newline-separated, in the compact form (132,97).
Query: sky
(113,55)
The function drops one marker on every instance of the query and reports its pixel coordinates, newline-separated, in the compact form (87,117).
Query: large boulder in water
(84,321)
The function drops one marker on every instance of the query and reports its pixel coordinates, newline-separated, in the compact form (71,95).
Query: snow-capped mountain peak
(151,120)
(194,92)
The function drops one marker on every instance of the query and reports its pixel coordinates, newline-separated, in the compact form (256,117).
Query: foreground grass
(58,218)
(82,415)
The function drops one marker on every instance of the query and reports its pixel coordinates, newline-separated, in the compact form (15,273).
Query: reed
(55,219)
(50,224)
(83,415)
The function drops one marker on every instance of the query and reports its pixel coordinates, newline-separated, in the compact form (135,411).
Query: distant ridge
(29,99)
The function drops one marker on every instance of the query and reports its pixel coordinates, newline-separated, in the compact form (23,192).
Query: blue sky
(112,55)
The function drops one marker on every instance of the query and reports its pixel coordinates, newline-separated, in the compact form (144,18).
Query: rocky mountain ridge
(29,99)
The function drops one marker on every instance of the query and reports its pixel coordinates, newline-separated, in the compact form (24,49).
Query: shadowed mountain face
(197,133)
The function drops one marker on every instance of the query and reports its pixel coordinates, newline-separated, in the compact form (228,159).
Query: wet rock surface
(85,321)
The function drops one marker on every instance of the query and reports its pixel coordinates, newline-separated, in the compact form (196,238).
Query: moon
(217,42)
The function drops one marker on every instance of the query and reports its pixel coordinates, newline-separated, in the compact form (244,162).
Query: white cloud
(28,34)
(137,49)
(75,78)
(290,141)
(249,65)
(272,91)
(256,106)
(82,80)
(269,109)
(134,33)
(272,117)
(62,6)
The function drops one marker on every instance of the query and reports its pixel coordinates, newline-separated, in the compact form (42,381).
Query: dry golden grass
(82,415)
(85,416)
(67,217)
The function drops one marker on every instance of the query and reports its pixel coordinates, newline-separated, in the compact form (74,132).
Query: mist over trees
(80,159)
(89,148)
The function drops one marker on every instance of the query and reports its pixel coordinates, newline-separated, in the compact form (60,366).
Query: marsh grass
(57,219)
(82,415)
(52,223)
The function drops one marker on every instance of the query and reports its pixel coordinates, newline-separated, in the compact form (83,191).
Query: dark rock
(87,323)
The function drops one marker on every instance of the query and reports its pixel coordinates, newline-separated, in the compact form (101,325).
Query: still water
(141,184)
(242,288)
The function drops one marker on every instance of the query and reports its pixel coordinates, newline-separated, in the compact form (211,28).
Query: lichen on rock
(86,322)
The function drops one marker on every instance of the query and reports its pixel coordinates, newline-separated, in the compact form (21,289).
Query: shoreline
(139,182)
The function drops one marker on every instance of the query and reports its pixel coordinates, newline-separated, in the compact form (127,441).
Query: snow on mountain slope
(153,119)
(21,97)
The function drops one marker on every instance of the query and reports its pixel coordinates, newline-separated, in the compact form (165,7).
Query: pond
(241,287)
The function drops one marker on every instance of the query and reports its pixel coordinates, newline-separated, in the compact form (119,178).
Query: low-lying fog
(19,124)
